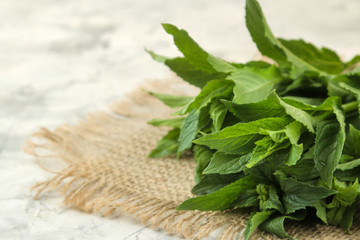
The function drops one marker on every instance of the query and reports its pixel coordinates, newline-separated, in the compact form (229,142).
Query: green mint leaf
(270,46)
(248,198)
(342,216)
(312,105)
(343,206)
(320,211)
(253,85)
(339,113)
(323,59)
(269,107)
(156,57)
(213,182)
(275,225)
(345,159)
(299,115)
(217,114)
(191,50)
(167,145)
(348,175)
(261,33)
(235,139)
(274,106)
(348,165)
(352,85)
(328,149)
(191,73)
(213,89)
(335,215)
(295,153)
(348,217)
(205,122)
(220,65)
(353,66)
(257,64)
(171,122)
(260,152)
(194,53)
(298,195)
(269,198)
(172,100)
(334,89)
(304,103)
(308,87)
(264,172)
(254,221)
(354,60)
(352,140)
(188,131)
(292,132)
(222,163)
(304,170)
(219,200)
(202,157)
(346,195)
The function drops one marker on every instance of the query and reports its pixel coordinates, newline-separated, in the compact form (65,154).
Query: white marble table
(62,59)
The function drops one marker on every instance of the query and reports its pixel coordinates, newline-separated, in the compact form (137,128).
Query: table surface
(60,60)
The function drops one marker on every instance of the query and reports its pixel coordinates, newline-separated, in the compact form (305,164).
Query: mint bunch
(280,139)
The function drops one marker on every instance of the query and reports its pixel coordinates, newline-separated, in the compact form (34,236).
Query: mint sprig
(282,139)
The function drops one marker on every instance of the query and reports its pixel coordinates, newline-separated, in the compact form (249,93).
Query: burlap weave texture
(108,172)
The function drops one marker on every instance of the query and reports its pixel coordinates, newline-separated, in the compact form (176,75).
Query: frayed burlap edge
(108,173)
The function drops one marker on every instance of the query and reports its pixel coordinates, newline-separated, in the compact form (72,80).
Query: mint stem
(348,107)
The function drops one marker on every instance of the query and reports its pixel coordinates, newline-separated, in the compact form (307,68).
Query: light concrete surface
(62,59)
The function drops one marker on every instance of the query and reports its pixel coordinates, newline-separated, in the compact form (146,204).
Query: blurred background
(62,59)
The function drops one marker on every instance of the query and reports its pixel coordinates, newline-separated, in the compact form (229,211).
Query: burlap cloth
(107,172)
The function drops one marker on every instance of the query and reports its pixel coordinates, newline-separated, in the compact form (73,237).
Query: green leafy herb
(221,199)
(253,85)
(171,100)
(255,220)
(282,140)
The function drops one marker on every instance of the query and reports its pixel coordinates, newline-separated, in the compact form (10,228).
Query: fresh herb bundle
(281,139)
